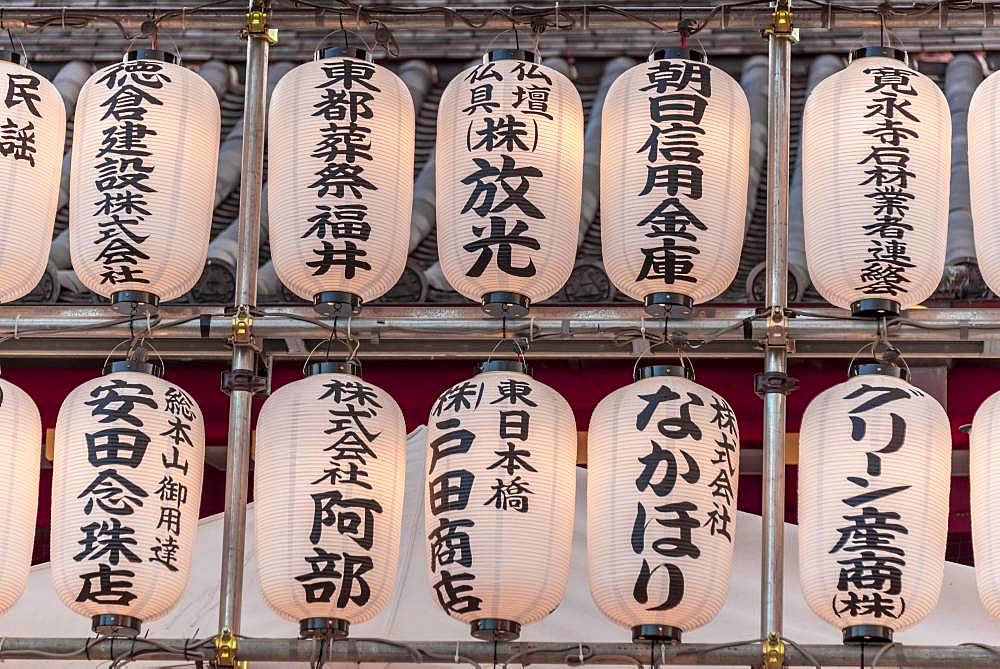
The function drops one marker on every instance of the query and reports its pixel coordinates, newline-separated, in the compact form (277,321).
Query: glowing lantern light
(340,155)
(509,181)
(663,468)
(142,183)
(501,482)
(21,427)
(874,457)
(675,163)
(328,485)
(876,169)
(32,137)
(126,490)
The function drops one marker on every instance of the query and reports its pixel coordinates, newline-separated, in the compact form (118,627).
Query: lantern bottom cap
(323,628)
(496,629)
(867,634)
(135,302)
(115,624)
(502,304)
(874,307)
(661,633)
(337,303)
(668,305)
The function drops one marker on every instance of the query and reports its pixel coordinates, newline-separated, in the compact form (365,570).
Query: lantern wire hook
(352,345)
(346,33)
(678,347)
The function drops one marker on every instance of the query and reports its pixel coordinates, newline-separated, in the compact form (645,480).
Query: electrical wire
(882,651)
(803,652)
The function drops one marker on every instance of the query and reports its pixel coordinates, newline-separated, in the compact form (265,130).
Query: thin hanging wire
(666,339)
(352,345)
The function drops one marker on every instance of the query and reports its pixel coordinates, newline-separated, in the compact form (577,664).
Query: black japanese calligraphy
(679,92)
(886,169)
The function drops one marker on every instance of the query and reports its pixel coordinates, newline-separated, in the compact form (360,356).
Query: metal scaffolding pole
(774,382)
(566,653)
(577,17)
(241,382)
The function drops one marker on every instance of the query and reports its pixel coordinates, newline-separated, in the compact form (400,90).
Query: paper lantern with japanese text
(142,183)
(340,160)
(876,169)
(328,489)
(126,491)
(663,466)
(984,156)
(501,484)
(984,484)
(509,181)
(675,163)
(21,430)
(874,476)
(32,138)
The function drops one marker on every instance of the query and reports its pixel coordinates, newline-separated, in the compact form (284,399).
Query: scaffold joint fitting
(781,24)
(225,650)
(777,327)
(257,27)
(243,326)
(774,652)
(774,382)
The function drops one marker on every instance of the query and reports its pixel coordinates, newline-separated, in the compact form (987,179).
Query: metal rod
(575,18)
(776,352)
(244,354)
(443,652)
(596,322)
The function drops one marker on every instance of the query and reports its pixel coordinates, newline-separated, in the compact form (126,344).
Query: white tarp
(413,614)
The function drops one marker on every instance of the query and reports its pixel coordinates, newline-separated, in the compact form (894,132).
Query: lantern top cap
(654,371)
(342,52)
(674,52)
(880,52)
(494,55)
(349,367)
(152,54)
(518,366)
(13,57)
(141,366)
(879,369)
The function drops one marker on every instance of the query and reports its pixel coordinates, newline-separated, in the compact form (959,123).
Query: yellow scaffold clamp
(243,326)
(781,23)
(257,27)
(225,651)
(774,652)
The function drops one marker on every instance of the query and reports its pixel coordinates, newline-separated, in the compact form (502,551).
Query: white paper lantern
(874,475)
(876,169)
(663,465)
(501,483)
(32,138)
(21,430)
(328,485)
(984,156)
(142,183)
(340,155)
(509,181)
(675,163)
(984,484)
(126,491)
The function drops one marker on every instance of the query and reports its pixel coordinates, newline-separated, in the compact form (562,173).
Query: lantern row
(674,173)
(499,494)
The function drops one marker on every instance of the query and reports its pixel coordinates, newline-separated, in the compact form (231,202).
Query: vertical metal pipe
(244,355)
(773,502)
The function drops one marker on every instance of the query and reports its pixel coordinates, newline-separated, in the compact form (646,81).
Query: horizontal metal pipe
(444,652)
(468,322)
(593,17)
